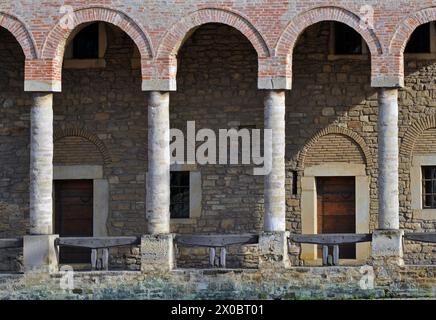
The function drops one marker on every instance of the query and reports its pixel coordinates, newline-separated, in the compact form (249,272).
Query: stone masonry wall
(328,93)
(14,152)
(216,81)
(363,282)
(417,102)
(217,88)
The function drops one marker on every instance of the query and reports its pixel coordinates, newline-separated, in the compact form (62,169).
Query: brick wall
(426,142)
(76,151)
(272,26)
(334,148)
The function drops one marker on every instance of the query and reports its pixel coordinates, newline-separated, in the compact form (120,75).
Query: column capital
(387,81)
(159,85)
(42,86)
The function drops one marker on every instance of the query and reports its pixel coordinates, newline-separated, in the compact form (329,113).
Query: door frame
(309,206)
(100,192)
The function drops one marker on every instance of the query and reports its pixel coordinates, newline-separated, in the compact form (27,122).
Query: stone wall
(14,152)
(294,283)
(416,102)
(217,88)
(108,103)
(327,94)
(417,105)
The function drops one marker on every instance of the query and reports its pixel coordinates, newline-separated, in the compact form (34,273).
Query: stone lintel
(40,254)
(157,252)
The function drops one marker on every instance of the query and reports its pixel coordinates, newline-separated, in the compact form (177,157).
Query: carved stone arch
(82,133)
(360,142)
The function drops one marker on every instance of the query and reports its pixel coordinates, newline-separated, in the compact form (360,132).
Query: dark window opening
(294,183)
(85,43)
(419,41)
(347,40)
(429,187)
(247,126)
(179,194)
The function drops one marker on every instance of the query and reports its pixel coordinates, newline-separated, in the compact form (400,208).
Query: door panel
(336,210)
(74,216)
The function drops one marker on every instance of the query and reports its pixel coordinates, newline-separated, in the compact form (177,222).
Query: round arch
(54,45)
(175,36)
(82,133)
(165,63)
(406,28)
(21,34)
(286,43)
(412,134)
(334,130)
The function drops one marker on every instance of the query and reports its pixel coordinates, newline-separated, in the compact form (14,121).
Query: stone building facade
(239,64)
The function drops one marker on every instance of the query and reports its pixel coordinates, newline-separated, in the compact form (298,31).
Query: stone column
(274,185)
(273,242)
(388,159)
(387,240)
(157,246)
(38,251)
(158,176)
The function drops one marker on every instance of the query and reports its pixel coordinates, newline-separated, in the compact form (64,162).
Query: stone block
(40,253)
(157,252)
(387,246)
(273,250)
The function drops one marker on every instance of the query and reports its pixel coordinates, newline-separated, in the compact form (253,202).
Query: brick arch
(174,37)
(413,133)
(164,67)
(334,130)
(407,26)
(19,30)
(286,43)
(54,45)
(82,133)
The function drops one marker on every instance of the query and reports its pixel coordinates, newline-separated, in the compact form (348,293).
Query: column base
(273,250)
(157,253)
(387,247)
(40,253)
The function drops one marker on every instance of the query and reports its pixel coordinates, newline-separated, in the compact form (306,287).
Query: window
(85,43)
(419,41)
(179,194)
(346,40)
(294,182)
(429,187)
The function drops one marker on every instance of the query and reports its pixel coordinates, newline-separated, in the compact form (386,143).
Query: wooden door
(74,216)
(336,210)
